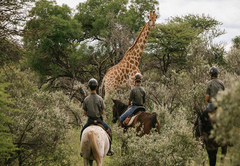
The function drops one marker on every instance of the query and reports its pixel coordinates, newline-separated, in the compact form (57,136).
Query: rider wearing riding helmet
(94,107)
(137,97)
(213,87)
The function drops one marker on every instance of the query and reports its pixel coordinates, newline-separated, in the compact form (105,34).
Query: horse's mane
(121,107)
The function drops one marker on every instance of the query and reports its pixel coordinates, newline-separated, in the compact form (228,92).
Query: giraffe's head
(152,19)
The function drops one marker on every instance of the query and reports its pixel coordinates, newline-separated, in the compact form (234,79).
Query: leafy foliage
(52,32)
(12,17)
(41,125)
(174,145)
(171,43)
(53,37)
(236,42)
(7,147)
(64,49)
(226,129)
(233,61)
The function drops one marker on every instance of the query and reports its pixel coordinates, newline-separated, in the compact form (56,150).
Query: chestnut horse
(211,145)
(147,120)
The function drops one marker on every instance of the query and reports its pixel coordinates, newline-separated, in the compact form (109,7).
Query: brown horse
(212,146)
(146,120)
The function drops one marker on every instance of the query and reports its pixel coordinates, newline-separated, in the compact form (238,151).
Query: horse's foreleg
(159,126)
(91,162)
(154,122)
(212,155)
(86,162)
(224,152)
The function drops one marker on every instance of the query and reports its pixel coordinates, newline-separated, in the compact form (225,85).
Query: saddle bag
(126,121)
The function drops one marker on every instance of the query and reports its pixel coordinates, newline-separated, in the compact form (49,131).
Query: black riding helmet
(92,83)
(213,70)
(138,77)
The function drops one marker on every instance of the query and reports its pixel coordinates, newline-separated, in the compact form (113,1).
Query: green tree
(40,126)
(51,38)
(208,29)
(114,25)
(236,42)
(7,147)
(12,18)
(180,55)
(53,35)
(66,50)
(96,16)
(233,60)
(169,43)
(168,46)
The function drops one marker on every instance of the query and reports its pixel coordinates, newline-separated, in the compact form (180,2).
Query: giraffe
(122,74)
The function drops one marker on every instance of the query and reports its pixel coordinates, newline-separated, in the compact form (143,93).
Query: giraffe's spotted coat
(122,74)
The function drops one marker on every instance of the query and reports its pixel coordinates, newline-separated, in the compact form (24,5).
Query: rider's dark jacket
(94,105)
(213,87)
(137,96)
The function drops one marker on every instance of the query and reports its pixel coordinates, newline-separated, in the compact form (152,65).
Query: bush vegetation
(49,53)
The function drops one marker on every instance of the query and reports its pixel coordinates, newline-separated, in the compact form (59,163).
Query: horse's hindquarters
(86,147)
(94,143)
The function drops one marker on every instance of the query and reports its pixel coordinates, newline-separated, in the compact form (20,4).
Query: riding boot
(110,152)
(123,126)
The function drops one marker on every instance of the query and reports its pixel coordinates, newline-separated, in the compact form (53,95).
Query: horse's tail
(102,87)
(154,121)
(94,147)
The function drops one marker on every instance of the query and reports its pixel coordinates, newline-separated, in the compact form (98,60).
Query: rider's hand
(129,102)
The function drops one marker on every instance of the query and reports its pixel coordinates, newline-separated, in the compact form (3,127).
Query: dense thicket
(47,56)
(11,16)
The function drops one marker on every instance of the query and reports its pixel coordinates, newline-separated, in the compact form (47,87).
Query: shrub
(226,130)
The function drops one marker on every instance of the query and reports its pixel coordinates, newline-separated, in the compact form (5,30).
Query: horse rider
(137,97)
(213,87)
(93,106)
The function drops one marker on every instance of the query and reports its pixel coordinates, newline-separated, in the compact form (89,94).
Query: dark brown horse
(212,146)
(146,120)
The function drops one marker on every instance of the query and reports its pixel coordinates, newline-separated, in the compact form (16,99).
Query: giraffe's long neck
(134,53)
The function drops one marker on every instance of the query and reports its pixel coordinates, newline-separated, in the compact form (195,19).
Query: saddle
(99,123)
(96,122)
(130,119)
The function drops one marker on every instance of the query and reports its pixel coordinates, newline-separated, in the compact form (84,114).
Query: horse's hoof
(81,154)
(110,153)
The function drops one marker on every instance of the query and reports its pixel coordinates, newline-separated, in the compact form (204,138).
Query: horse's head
(118,109)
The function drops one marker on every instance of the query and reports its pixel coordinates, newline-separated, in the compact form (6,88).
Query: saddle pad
(100,125)
(132,119)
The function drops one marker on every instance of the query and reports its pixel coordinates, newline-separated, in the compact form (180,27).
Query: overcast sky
(225,11)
